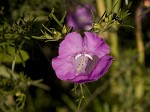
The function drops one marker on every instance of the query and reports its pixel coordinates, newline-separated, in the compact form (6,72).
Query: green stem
(87,90)
(82,91)
(40,85)
(54,17)
(114,44)
(108,5)
(106,26)
(79,105)
(100,7)
(117,4)
(75,88)
(17,52)
(139,85)
(81,98)
(139,38)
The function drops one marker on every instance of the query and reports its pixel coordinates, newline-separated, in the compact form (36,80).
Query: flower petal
(63,67)
(72,21)
(81,79)
(93,43)
(97,73)
(70,45)
(102,67)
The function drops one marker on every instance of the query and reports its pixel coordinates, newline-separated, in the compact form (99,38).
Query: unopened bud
(64,30)
(57,35)
(96,26)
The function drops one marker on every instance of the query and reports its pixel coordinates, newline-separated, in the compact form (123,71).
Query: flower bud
(57,35)
(64,30)
(96,26)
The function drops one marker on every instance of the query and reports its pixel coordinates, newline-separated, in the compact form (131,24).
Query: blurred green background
(124,88)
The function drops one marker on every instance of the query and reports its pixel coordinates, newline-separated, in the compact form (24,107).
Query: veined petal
(93,43)
(81,79)
(102,67)
(71,44)
(63,67)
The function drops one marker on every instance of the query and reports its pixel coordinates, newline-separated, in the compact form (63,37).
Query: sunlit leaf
(8,58)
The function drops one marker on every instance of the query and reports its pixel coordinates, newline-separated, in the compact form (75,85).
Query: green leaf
(63,18)
(4,72)
(9,57)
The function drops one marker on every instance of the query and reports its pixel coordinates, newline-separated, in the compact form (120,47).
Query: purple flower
(80,18)
(80,59)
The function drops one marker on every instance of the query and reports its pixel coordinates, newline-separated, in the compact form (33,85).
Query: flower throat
(85,63)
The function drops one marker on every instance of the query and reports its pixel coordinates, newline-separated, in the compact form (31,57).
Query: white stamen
(87,55)
(77,56)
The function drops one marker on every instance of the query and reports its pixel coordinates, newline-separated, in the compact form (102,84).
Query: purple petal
(81,17)
(72,21)
(70,45)
(63,67)
(81,79)
(97,73)
(95,44)
(102,67)
(85,13)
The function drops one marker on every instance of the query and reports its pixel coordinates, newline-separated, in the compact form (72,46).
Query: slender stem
(40,85)
(82,91)
(81,98)
(100,7)
(87,90)
(114,44)
(108,5)
(15,57)
(117,4)
(79,105)
(106,26)
(13,64)
(139,40)
(54,17)
(139,85)
(114,36)
(99,90)
(75,88)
